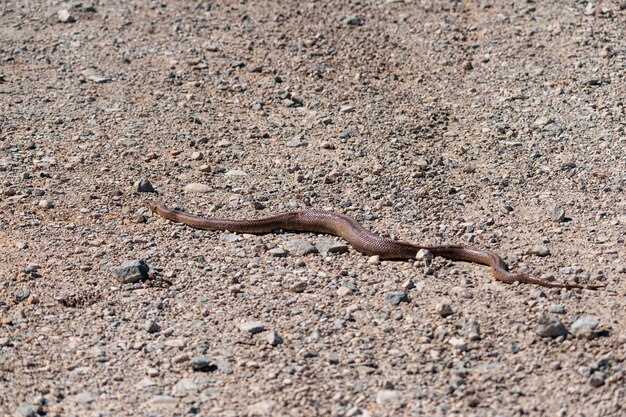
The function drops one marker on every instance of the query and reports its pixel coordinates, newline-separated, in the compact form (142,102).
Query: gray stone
(26,410)
(144,186)
(151,326)
(395,297)
(597,379)
(200,363)
(198,188)
(327,246)
(444,310)
(299,247)
(277,252)
(21,295)
(549,325)
(346,109)
(64,16)
(558,214)
(231,238)
(542,121)
(261,409)
(471,330)
(273,338)
(348,132)
(184,385)
(236,173)
(388,397)
(131,271)
(536,293)
(556,309)
(585,326)
(353,21)
(163,400)
(47,204)
(253,327)
(540,250)
(424,255)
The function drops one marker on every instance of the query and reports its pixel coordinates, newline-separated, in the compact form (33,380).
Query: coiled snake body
(362,240)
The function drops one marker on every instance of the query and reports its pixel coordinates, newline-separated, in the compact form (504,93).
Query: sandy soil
(493,123)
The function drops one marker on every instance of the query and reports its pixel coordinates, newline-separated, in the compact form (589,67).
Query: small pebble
(64,16)
(299,247)
(549,325)
(387,397)
(540,250)
(273,338)
(46,204)
(585,327)
(144,186)
(131,271)
(558,214)
(424,255)
(444,310)
(326,246)
(151,326)
(395,297)
(200,363)
(252,327)
(343,291)
(198,188)
(597,379)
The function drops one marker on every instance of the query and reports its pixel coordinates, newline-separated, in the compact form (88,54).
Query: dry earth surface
(499,124)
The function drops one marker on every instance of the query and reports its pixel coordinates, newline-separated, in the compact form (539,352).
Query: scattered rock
(198,188)
(298,247)
(457,343)
(64,16)
(444,310)
(236,173)
(597,379)
(408,284)
(540,250)
(346,109)
(549,325)
(556,309)
(151,326)
(46,204)
(343,291)
(21,295)
(131,271)
(26,410)
(585,326)
(353,21)
(262,408)
(424,255)
(471,330)
(277,252)
(200,363)
(144,186)
(185,385)
(252,327)
(273,338)
(395,297)
(558,214)
(388,397)
(326,246)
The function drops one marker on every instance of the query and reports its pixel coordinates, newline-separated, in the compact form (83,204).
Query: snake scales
(356,235)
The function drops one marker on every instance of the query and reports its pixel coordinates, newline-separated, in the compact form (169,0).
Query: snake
(364,241)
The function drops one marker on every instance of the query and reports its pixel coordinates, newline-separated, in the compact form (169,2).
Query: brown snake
(356,235)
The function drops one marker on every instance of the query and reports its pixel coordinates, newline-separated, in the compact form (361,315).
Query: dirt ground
(497,124)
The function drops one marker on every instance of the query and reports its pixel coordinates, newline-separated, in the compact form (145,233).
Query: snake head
(151,204)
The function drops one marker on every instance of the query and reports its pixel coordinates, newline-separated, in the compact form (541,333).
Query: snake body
(357,236)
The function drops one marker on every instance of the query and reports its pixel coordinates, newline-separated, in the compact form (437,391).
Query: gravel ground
(495,123)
